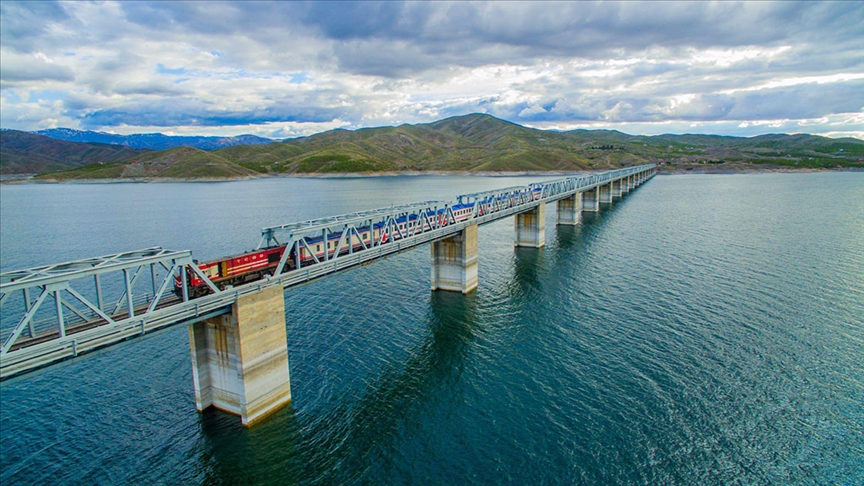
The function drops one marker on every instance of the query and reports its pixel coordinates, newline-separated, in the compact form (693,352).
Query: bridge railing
(77,289)
(344,235)
(357,231)
(488,202)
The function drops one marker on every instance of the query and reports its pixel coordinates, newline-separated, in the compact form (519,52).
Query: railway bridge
(237,331)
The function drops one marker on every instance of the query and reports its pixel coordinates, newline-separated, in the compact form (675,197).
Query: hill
(480,142)
(177,163)
(152,141)
(467,143)
(29,153)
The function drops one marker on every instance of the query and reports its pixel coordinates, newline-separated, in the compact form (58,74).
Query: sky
(283,70)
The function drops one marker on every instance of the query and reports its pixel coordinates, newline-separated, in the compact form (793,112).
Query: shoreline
(29,179)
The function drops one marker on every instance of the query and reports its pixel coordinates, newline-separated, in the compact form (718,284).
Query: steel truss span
(105,300)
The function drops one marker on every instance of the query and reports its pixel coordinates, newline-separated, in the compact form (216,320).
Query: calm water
(704,330)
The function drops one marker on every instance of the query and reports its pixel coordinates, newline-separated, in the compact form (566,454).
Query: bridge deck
(81,326)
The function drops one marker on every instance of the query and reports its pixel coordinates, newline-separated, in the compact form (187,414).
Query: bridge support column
(631,183)
(570,209)
(606,193)
(531,227)
(591,200)
(616,188)
(240,360)
(454,262)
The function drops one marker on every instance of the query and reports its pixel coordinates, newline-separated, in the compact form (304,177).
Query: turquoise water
(705,329)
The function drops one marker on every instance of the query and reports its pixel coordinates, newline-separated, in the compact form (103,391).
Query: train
(254,265)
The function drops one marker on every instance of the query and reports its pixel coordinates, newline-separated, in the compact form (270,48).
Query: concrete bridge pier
(570,210)
(617,188)
(531,227)
(591,200)
(606,193)
(454,262)
(240,360)
(631,182)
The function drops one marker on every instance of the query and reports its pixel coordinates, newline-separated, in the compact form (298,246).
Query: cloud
(15,67)
(25,24)
(474,34)
(291,67)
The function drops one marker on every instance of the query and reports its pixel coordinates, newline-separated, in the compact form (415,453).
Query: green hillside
(176,163)
(482,143)
(467,143)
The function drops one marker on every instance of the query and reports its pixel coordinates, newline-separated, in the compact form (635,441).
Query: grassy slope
(484,143)
(800,150)
(178,163)
(469,143)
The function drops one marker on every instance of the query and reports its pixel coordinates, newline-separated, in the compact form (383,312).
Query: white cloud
(794,81)
(35,68)
(730,57)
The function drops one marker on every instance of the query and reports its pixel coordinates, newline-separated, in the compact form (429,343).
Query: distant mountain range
(470,143)
(152,141)
(29,153)
(482,143)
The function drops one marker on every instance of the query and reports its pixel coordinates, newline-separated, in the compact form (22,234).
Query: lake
(704,329)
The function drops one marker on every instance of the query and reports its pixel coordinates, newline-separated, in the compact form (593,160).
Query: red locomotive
(235,270)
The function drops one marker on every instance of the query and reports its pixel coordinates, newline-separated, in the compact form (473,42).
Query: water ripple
(702,330)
